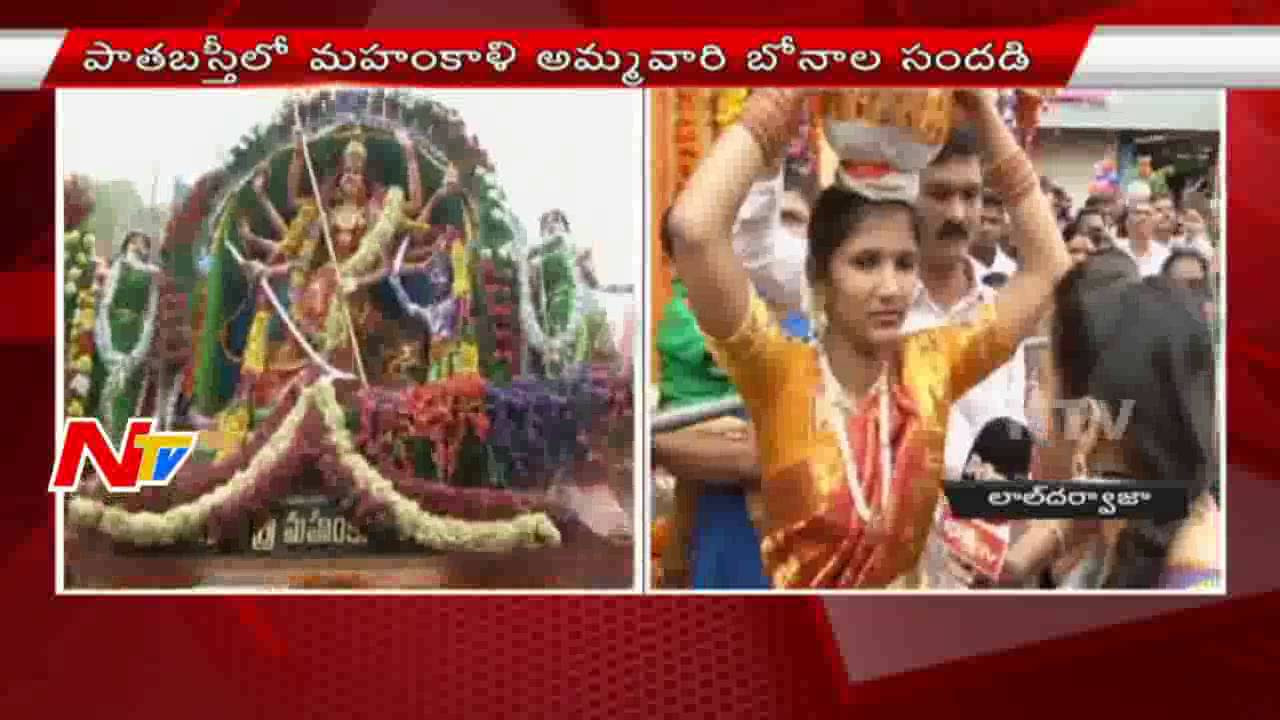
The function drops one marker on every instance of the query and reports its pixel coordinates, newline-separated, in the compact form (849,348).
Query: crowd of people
(883,345)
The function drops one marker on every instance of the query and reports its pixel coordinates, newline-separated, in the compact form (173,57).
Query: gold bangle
(767,117)
(1013,177)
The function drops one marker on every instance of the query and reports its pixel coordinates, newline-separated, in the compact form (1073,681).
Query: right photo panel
(936,340)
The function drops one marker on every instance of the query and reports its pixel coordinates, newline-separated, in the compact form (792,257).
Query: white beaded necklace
(839,398)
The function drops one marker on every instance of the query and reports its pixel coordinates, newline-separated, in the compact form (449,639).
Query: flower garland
(692,122)
(185,521)
(537,426)
(497,287)
(249,492)
(120,366)
(79,306)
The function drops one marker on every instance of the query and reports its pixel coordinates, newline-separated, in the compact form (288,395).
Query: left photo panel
(349,339)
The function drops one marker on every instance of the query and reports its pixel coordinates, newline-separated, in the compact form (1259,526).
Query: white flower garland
(185,521)
(120,366)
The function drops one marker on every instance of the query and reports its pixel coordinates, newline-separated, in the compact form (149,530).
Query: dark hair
(1184,254)
(1070,229)
(836,215)
(1096,203)
(1105,268)
(963,143)
(801,179)
(1087,210)
(130,237)
(1122,222)
(1144,342)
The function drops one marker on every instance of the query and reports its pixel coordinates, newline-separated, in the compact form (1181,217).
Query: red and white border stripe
(1112,57)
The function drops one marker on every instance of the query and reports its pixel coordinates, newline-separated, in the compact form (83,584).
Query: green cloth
(127,313)
(689,373)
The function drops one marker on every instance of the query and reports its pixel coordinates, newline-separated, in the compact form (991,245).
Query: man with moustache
(952,292)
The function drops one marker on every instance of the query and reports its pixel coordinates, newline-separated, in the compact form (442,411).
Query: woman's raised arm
(1022,302)
(702,218)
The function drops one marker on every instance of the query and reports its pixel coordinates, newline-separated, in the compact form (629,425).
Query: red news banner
(709,57)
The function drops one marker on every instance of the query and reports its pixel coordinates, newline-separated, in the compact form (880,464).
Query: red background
(611,658)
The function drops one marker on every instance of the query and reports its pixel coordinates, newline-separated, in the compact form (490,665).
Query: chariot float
(392,384)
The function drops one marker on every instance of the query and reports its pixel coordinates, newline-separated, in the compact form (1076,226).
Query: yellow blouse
(811,537)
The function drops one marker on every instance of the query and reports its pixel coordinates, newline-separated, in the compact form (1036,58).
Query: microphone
(1001,451)
(995,280)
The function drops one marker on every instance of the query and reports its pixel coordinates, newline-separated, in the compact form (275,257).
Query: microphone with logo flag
(1001,451)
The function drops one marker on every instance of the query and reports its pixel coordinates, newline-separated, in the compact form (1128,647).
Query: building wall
(1068,157)
(1152,110)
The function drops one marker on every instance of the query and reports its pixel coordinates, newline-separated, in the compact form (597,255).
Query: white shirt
(1151,263)
(773,256)
(1003,263)
(1001,394)
(1197,244)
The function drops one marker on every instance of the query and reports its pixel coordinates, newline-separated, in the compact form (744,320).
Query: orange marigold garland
(693,130)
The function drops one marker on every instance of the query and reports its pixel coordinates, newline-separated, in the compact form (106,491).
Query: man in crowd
(1141,243)
(951,292)
(1111,207)
(1195,234)
(1091,223)
(990,240)
(1168,225)
(1187,268)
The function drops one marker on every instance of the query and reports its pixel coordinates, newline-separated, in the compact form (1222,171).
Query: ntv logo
(1080,418)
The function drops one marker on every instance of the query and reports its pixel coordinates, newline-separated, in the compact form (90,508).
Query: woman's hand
(975,99)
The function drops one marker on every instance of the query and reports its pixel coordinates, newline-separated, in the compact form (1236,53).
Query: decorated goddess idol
(342,313)
(851,423)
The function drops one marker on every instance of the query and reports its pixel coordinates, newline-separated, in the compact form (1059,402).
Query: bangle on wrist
(768,117)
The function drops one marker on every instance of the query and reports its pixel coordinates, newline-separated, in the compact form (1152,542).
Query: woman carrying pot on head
(851,428)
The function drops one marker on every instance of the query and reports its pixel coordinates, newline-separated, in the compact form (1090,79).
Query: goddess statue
(322,290)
